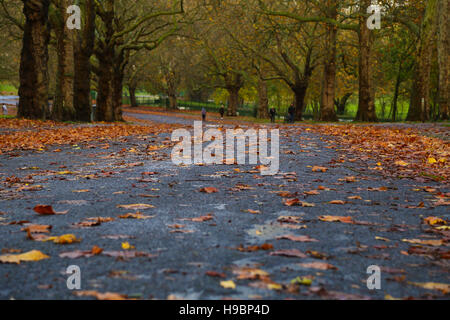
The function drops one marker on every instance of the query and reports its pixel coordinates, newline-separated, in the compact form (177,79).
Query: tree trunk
(173,103)
(299,101)
(420,94)
(63,108)
(105,97)
(172,90)
(394,108)
(104,51)
(132,90)
(327,111)
(342,103)
(444,59)
(83,50)
(117,95)
(366,103)
(263,100)
(33,90)
(233,101)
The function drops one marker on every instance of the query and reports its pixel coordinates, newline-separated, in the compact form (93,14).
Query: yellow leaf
(401,163)
(432,160)
(435,243)
(445,288)
(127,246)
(228,284)
(34,255)
(274,286)
(302,281)
(64,239)
(434,220)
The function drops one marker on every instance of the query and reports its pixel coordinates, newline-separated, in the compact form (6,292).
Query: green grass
(5,87)
(6,117)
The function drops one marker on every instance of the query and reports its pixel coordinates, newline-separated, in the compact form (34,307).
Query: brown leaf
(45,210)
(336,219)
(101,296)
(37,228)
(215,274)
(297,238)
(318,266)
(292,253)
(209,190)
(340,202)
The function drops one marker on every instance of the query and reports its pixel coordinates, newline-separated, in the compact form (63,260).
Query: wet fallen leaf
(36,228)
(64,239)
(45,210)
(302,281)
(138,215)
(297,238)
(228,284)
(292,253)
(336,219)
(215,274)
(319,169)
(435,243)
(209,190)
(432,221)
(340,202)
(138,206)
(401,163)
(101,296)
(253,211)
(33,255)
(445,288)
(318,266)
(127,246)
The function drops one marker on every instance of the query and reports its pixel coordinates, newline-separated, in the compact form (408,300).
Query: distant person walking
(203,114)
(222,111)
(273,114)
(5,110)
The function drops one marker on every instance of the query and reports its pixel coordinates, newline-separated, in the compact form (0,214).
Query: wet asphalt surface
(180,260)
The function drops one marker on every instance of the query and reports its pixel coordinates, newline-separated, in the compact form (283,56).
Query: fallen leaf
(435,243)
(64,239)
(434,221)
(33,255)
(37,228)
(445,288)
(127,246)
(137,215)
(402,163)
(340,202)
(138,206)
(228,284)
(318,266)
(292,253)
(336,219)
(209,190)
(101,296)
(215,274)
(47,210)
(302,281)
(297,238)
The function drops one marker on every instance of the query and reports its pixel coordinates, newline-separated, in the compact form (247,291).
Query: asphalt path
(182,258)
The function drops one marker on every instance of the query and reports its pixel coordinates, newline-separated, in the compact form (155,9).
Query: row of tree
(319,52)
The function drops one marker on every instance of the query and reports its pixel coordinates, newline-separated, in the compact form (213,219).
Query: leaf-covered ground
(108,199)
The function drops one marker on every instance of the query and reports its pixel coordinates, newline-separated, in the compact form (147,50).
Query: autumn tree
(33,90)
(123,27)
